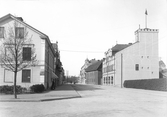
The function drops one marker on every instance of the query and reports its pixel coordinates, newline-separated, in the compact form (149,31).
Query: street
(96,101)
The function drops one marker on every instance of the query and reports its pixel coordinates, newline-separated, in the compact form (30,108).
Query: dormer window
(19,32)
(1,32)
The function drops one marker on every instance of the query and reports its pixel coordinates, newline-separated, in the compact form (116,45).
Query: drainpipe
(48,71)
(114,70)
(121,70)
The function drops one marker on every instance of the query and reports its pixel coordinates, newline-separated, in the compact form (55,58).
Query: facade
(108,68)
(87,63)
(94,73)
(133,61)
(44,71)
(59,71)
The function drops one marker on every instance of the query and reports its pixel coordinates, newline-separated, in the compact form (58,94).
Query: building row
(138,60)
(48,71)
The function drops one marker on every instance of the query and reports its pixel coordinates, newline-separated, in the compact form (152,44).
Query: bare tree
(17,51)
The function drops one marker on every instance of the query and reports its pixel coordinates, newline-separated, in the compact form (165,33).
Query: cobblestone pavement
(96,101)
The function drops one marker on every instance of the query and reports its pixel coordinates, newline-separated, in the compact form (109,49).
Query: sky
(88,28)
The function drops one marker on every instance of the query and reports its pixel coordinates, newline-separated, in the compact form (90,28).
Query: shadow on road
(84,87)
(78,87)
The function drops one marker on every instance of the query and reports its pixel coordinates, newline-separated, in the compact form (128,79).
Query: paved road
(96,101)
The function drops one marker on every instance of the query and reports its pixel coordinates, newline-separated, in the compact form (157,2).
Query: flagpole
(146,18)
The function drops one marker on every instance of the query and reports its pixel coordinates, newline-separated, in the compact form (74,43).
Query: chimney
(20,18)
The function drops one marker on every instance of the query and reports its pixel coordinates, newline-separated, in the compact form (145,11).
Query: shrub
(9,89)
(149,84)
(38,88)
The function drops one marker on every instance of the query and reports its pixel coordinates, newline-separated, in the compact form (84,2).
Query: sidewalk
(65,91)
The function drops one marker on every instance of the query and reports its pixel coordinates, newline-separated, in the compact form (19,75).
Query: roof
(20,20)
(94,67)
(120,47)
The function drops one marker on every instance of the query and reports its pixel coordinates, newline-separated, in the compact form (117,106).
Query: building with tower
(138,60)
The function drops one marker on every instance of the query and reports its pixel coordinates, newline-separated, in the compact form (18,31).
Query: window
(9,51)
(1,32)
(112,67)
(8,76)
(112,80)
(19,32)
(26,75)
(26,53)
(137,67)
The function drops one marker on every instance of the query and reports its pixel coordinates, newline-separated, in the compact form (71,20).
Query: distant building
(82,71)
(132,61)
(59,71)
(94,73)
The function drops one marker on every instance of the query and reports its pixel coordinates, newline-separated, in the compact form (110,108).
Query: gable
(9,17)
(97,66)
(41,35)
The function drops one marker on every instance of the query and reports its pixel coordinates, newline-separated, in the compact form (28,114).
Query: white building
(43,72)
(133,61)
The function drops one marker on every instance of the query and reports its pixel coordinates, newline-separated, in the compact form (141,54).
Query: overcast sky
(88,28)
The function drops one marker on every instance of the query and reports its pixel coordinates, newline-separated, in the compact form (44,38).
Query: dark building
(94,73)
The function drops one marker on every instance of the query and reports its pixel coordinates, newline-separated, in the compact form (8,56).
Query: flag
(146,12)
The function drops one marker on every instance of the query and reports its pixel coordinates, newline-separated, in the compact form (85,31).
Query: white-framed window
(137,67)
(26,75)
(8,76)
(26,53)
(111,79)
(9,53)
(19,32)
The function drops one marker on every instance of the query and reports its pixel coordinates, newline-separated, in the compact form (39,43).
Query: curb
(38,100)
